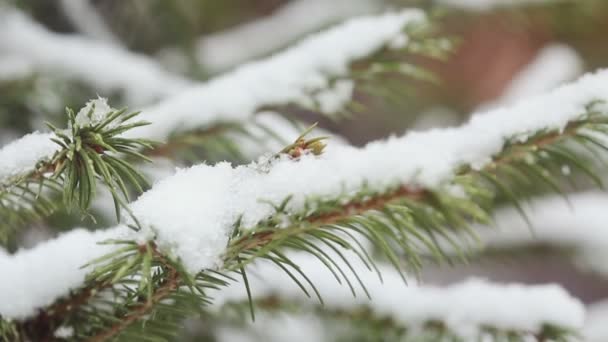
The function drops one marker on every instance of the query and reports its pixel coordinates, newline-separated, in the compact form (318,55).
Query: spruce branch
(90,150)
(402,221)
(336,95)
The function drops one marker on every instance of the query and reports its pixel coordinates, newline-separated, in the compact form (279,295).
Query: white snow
(241,43)
(299,75)
(14,68)
(192,213)
(275,327)
(94,112)
(293,76)
(578,223)
(64,332)
(206,200)
(86,19)
(463,307)
(596,329)
(486,5)
(245,191)
(22,155)
(186,221)
(106,66)
(55,264)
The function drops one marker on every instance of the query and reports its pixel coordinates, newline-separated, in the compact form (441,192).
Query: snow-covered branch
(314,73)
(208,200)
(465,308)
(106,66)
(487,5)
(596,329)
(86,19)
(239,44)
(577,221)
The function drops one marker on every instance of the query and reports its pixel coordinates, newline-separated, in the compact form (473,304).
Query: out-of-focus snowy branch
(86,19)
(596,329)
(220,195)
(576,222)
(465,308)
(106,66)
(225,49)
(486,5)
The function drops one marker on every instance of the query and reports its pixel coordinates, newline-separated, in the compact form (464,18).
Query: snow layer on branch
(103,65)
(185,220)
(36,277)
(244,42)
(93,113)
(216,196)
(596,329)
(85,17)
(486,5)
(579,222)
(275,327)
(14,68)
(463,307)
(22,155)
(292,76)
(192,213)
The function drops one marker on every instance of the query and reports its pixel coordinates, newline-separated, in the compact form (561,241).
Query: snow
(596,329)
(93,113)
(207,200)
(579,223)
(105,66)
(55,264)
(463,307)
(64,332)
(486,5)
(336,97)
(244,42)
(14,68)
(293,76)
(184,220)
(275,327)
(21,155)
(246,191)
(86,19)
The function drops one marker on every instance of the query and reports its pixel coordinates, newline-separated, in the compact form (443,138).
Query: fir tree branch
(89,151)
(437,213)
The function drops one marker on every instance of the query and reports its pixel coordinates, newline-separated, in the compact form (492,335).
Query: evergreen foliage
(142,290)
